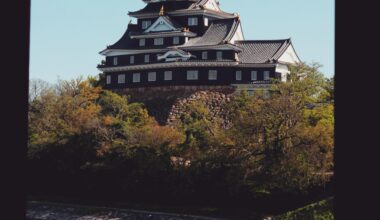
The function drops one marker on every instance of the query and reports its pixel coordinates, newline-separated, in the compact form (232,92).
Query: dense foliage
(322,210)
(89,141)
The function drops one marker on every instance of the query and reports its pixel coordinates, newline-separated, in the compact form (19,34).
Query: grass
(322,210)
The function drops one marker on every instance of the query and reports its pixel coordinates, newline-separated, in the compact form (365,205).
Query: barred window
(254,75)
(168,75)
(193,21)
(212,75)
(192,75)
(136,77)
(108,79)
(238,75)
(204,55)
(219,55)
(266,75)
(175,40)
(121,78)
(152,76)
(159,41)
(146,58)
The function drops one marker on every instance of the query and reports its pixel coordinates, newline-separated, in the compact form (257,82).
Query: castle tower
(192,43)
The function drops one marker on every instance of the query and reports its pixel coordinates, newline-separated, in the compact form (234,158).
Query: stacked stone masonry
(167,104)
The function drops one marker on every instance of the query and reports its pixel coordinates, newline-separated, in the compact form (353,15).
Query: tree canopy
(281,143)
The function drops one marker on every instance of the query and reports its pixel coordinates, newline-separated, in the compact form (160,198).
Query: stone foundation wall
(167,104)
(215,101)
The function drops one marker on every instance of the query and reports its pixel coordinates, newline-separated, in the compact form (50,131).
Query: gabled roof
(173,26)
(219,32)
(262,51)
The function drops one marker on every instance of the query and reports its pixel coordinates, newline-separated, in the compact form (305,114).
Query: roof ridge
(254,41)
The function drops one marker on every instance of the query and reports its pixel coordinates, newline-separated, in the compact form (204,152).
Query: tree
(282,143)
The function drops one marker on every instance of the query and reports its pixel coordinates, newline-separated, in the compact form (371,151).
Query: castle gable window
(175,40)
(212,75)
(158,41)
(193,21)
(238,75)
(147,58)
(204,55)
(266,75)
(121,78)
(219,55)
(108,81)
(132,59)
(206,22)
(168,75)
(136,77)
(146,24)
(253,75)
(152,76)
(115,61)
(192,75)
(142,42)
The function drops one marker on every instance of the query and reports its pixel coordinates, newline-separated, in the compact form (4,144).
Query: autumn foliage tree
(94,140)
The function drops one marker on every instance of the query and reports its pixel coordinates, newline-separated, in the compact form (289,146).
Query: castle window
(168,75)
(193,21)
(146,58)
(212,74)
(142,42)
(219,55)
(204,55)
(253,75)
(152,76)
(121,78)
(175,40)
(158,41)
(136,77)
(206,22)
(108,81)
(192,75)
(238,75)
(132,59)
(266,75)
(146,24)
(115,61)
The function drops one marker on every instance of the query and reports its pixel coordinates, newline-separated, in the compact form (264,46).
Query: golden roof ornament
(162,11)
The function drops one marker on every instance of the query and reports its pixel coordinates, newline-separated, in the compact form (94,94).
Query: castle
(192,44)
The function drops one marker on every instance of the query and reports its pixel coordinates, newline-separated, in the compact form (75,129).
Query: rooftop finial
(162,11)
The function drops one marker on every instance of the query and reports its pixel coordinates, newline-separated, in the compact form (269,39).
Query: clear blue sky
(67,35)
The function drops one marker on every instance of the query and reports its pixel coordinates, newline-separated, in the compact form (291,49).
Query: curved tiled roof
(218,32)
(262,51)
(125,41)
(155,7)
